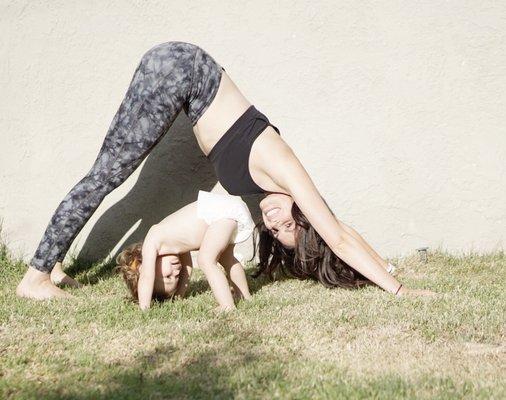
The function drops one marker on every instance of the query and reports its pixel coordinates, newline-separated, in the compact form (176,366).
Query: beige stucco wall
(397,110)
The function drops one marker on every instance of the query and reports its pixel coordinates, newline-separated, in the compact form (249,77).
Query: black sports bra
(230,155)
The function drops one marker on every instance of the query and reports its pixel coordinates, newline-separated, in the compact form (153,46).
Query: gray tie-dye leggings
(170,76)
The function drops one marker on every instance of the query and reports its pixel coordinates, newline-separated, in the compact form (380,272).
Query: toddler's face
(167,270)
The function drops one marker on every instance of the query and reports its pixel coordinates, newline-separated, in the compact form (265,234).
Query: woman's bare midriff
(228,105)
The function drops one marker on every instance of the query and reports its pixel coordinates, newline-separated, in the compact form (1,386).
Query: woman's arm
(289,173)
(366,245)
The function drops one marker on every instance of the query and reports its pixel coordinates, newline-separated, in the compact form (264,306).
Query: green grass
(296,339)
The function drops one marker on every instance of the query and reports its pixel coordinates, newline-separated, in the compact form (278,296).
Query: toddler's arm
(147,273)
(215,241)
(185,274)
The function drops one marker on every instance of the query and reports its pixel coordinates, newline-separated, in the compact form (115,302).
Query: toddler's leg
(235,271)
(215,241)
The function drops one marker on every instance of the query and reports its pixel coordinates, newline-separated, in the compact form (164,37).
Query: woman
(246,150)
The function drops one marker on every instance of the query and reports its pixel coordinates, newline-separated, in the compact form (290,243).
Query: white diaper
(214,206)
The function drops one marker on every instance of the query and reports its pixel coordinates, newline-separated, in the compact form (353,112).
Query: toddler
(161,265)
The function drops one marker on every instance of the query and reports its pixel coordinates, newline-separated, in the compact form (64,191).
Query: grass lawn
(296,339)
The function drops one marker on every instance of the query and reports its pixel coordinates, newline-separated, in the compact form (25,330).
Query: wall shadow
(173,173)
(170,178)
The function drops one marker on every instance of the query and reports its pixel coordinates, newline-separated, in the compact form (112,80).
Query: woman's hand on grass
(406,292)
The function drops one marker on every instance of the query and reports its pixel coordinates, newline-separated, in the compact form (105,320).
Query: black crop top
(230,155)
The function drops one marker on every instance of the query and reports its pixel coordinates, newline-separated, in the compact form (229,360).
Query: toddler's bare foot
(37,285)
(239,296)
(58,277)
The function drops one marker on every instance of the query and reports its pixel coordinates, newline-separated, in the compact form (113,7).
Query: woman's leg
(159,89)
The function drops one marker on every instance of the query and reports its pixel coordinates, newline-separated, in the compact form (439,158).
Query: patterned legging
(170,77)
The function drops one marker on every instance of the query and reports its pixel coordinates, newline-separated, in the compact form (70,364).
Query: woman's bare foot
(60,278)
(37,285)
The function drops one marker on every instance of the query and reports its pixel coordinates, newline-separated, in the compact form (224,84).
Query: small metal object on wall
(422,252)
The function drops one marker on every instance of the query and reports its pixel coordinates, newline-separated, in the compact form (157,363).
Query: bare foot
(58,277)
(37,285)
(239,296)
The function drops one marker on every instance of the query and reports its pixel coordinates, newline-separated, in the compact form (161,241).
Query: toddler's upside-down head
(129,262)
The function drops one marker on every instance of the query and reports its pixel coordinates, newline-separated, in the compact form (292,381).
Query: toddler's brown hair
(128,263)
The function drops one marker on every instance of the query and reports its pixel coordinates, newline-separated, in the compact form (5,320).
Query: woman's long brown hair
(311,258)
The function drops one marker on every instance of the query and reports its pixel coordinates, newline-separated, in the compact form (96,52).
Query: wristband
(398,289)
(390,268)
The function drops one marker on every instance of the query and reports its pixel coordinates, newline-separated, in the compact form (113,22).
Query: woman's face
(167,270)
(277,215)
